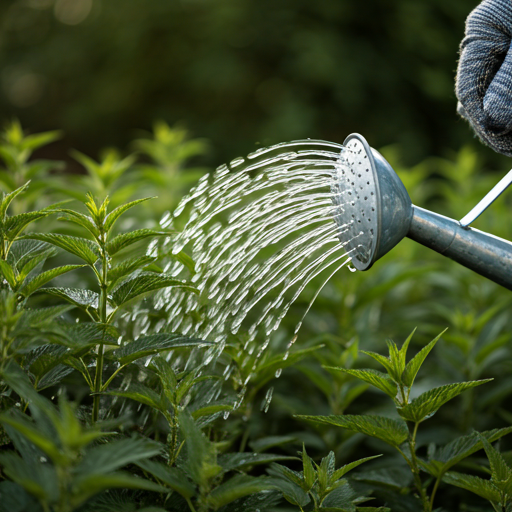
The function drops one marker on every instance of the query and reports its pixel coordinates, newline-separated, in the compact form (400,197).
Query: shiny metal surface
(496,191)
(379,192)
(488,255)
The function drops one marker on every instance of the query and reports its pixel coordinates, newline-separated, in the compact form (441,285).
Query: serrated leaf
(38,480)
(339,473)
(15,224)
(84,299)
(264,443)
(146,282)
(340,499)
(499,469)
(78,364)
(475,484)
(104,458)
(126,239)
(174,478)
(393,432)
(424,406)
(8,198)
(292,492)
(244,460)
(112,217)
(82,220)
(154,343)
(201,463)
(142,394)
(212,408)
(8,273)
(127,267)
(82,247)
(237,487)
(30,431)
(378,379)
(460,448)
(383,360)
(413,366)
(34,284)
(308,470)
(90,485)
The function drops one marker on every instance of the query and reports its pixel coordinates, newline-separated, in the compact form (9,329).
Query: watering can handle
(495,192)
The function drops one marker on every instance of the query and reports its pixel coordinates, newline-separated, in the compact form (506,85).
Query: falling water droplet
(268,398)
(278,373)
(351,268)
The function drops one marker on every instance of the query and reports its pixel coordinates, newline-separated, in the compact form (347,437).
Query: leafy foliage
(103,409)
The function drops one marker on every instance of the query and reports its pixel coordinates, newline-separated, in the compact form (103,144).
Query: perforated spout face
(372,208)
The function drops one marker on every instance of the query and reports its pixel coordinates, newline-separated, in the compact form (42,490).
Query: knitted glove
(484,74)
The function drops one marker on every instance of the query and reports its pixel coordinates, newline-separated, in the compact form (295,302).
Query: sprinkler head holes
(373,210)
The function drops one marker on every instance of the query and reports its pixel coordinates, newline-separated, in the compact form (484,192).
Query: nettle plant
(401,433)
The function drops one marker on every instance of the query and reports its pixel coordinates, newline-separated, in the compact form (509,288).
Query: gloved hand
(484,74)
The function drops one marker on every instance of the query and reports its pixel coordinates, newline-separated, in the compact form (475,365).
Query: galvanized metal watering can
(381,214)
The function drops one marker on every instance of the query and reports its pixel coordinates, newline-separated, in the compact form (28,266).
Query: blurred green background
(240,73)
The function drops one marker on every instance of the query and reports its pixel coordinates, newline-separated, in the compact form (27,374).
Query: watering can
(374,203)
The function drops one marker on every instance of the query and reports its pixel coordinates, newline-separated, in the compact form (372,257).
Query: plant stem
(434,490)
(103,319)
(416,472)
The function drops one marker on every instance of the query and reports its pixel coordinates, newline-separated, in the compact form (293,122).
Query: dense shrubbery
(102,410)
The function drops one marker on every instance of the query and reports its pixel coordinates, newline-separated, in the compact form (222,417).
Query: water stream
(259,230)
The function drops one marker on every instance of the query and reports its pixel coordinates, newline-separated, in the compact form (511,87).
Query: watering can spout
(394,217)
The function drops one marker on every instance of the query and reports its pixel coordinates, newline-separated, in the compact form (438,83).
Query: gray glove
(484,74)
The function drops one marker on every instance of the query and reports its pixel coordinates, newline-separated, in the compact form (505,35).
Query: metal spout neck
(485,254)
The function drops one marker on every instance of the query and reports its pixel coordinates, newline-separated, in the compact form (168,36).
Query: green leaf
(38,140)
(90,485)
(78,364)
(460,448)
(84,299)
(30,431)
(146,282)
(82,247)
(396,360)
(339,473)
(127,267)
(393,432)
(378,379)
(428,403)
(38,480)
(174,478)
(15,224)
(8,198)
(384,361)
(499,469)
(8,274)
(125,239)
(412,368)
(245,460)
(237,487)
(292,492)
(475,484)
(308,470)
(402,353)
(104,458)
(153,344)
(34,284)
(212,408)
(264,443)
(142,394)
(112,217)
(201,462)
(82,220)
